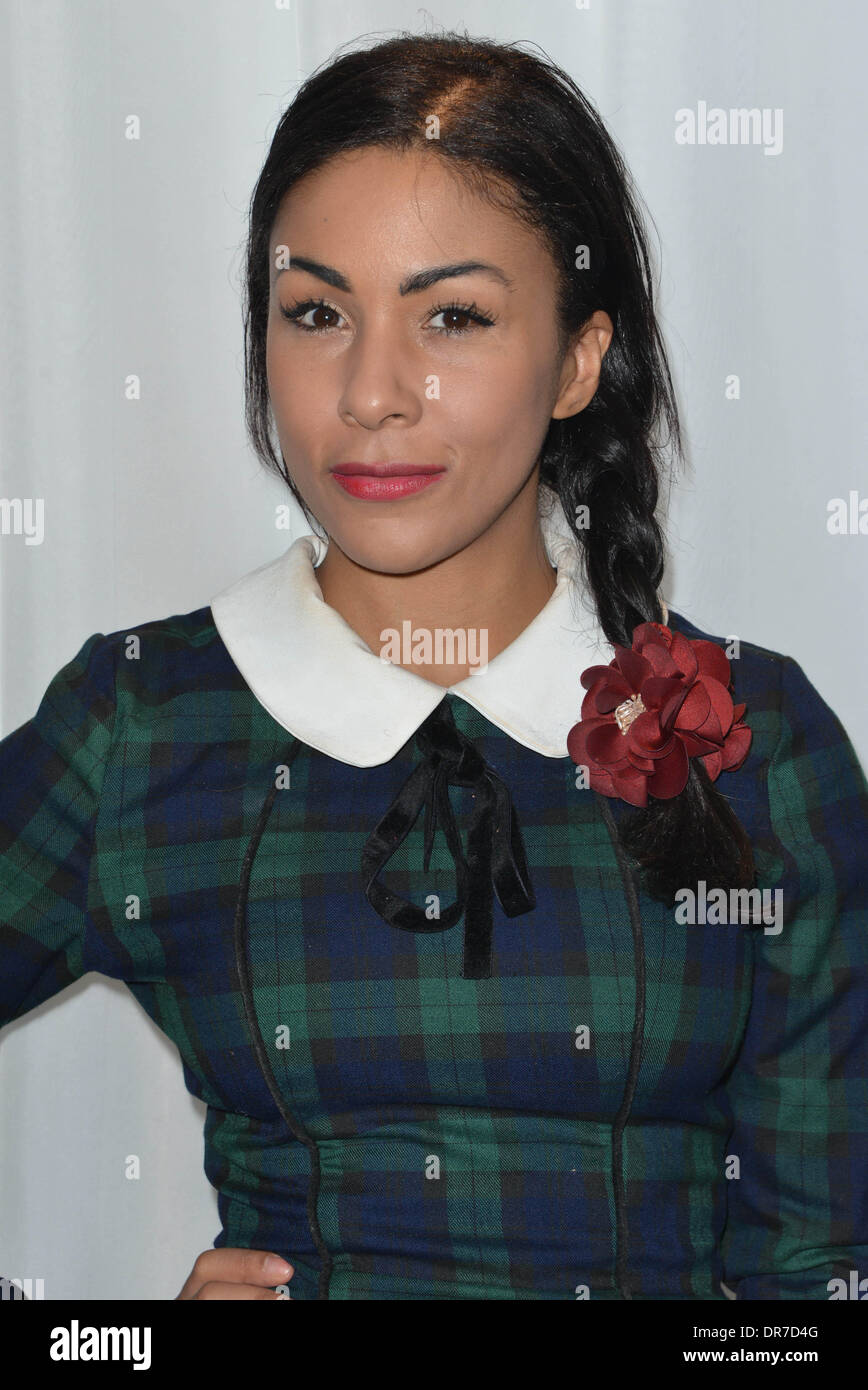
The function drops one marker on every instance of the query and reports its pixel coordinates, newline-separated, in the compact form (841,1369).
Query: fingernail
(277,1268)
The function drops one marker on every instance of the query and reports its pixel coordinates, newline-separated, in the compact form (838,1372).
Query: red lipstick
(384,482)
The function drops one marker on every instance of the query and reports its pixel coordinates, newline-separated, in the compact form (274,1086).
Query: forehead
(384,208)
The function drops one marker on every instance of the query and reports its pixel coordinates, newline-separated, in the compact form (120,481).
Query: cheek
(294,394)
(503,412)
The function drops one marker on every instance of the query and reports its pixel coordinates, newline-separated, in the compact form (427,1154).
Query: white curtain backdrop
(124,256)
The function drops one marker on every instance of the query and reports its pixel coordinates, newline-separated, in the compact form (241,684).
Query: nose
(384,380)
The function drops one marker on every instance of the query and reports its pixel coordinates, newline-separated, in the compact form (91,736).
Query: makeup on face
(384,482)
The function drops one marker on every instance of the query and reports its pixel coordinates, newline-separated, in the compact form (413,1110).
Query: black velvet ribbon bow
(496,858)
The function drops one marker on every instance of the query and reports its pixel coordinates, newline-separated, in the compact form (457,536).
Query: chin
(405,556)
(403,543)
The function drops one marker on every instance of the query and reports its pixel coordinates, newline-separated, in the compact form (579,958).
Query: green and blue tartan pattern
(452,1138)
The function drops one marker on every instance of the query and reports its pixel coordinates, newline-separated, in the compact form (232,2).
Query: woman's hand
(235,1273)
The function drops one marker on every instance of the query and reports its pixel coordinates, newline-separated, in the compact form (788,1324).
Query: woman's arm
(51,776)
(798,1207)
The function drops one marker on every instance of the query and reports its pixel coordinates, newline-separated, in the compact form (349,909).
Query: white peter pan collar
(322,683)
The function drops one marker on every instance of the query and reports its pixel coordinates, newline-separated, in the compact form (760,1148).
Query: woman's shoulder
(142,667)
(784,708)
(171,645)
(735,644)
(756,669)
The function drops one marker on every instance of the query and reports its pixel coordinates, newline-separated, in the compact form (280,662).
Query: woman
(408,839)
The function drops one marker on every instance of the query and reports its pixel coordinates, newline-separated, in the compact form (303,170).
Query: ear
(580,373)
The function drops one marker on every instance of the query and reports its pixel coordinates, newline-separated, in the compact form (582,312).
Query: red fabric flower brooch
(656,705)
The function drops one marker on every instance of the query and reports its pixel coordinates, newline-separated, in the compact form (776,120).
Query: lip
(373,488)
(385,482)
(384,470)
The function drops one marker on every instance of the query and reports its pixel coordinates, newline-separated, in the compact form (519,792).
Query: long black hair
(523,135)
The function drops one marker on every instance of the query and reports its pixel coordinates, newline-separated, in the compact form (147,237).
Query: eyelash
(297,311)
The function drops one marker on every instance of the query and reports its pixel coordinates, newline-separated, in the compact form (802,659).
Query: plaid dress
(625,1107)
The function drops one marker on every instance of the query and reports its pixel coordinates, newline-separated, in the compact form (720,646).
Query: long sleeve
(797,1202)
(51,774)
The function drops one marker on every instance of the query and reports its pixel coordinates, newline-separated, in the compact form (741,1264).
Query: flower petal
(684,656)
(669,712)
(605,744)
(721,703)
(577,739)
(641,763)
(712,765)
(736,747)
(602,782)
(694,711)
(671,776)
(592,674)
(694,744)
(712,660)
(633,667)
(632,787)
(658,689)
(647,736)
(660,660)
(608,693)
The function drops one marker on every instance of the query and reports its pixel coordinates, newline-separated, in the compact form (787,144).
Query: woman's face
(384,372)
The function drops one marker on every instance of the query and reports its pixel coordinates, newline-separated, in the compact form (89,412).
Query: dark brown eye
(296,312)
(452,314)
(327,310)
(461,311)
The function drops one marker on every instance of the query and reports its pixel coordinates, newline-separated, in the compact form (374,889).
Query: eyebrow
(413,284)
